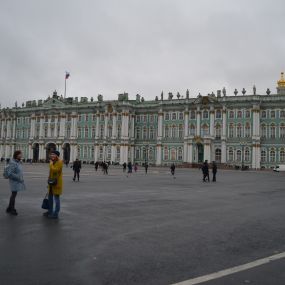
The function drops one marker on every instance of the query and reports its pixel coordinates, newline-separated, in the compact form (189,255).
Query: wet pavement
(144,229)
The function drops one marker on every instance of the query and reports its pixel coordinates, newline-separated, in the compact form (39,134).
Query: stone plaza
(144,229)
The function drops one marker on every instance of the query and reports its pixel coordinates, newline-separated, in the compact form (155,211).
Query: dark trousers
(12,200)
(214,176)
(76,173)
(206,176)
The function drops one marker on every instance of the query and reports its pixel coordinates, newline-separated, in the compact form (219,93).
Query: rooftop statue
(224,91)
(254,89)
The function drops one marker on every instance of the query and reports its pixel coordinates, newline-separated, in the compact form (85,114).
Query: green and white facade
(232,130)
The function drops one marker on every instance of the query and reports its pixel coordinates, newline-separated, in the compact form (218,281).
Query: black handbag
(45,204)
(52,181)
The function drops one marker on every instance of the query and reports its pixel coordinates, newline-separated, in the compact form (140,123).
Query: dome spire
(281,82)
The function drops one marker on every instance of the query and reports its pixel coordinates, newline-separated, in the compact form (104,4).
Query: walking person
(124,167)
(146,167)
(214,170)
(130,167)
(96,165)
(55,185)
(172,169)
(14,173)
(205,170)
(136,167)
(76,168)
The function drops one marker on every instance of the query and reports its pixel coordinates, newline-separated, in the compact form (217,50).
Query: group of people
(205,171)
(14,172)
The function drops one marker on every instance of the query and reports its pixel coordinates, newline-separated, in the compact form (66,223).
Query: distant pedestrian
(55,185)
(172,169)
(214,170)
(76,169)
(130,167)
(66,163)
(205,170)
(146,167)
(14,173)
(136,167)
(96,165)
(124,167)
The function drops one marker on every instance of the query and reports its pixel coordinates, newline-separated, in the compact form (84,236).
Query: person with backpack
(14,172)
(55,185)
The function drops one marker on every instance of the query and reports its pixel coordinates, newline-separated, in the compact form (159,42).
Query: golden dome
(281,82)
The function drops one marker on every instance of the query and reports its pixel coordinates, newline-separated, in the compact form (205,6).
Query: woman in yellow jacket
(55,190)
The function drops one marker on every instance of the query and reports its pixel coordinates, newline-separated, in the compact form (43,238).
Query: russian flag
(67,74)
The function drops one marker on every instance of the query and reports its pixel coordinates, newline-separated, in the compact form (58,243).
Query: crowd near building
(243,128)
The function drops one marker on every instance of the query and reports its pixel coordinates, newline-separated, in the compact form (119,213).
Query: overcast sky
(146,46)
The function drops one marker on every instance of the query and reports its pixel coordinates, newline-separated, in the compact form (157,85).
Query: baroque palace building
(232,130)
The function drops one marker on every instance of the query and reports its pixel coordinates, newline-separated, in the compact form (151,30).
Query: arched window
(231,114)
(205,114)
(205,130)
(272,131)
(173,154)
(247,114)
(231,154)
(166,116)
(239,131)
(165,153)
(218,131)
(180,131)
(166,132)
(263,156)
(282,155)
(218,114)
(180,154)
(173,116)
(231,131)
(263,131)
(150,154)
(272,155)
(282,131)
(192,130)
(181,116)
(239,114)
(151,133)
(282,114)
(218,155)
(174,131)
(246,154)
(272,114)
(238,155)
(192,115)
(247,130)
(263,114)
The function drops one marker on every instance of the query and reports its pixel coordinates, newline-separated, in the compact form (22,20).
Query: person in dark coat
(76,168)
(96,165)
(130,167)
(214,170)
(146,167)
(172,169)
(205,170)
(124,167)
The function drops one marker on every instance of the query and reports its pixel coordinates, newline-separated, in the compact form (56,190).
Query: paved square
(143,229)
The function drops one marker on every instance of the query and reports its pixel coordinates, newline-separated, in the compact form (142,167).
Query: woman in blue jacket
(16,180)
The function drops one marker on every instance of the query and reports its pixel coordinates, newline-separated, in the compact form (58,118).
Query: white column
(30,155)
(113,153)
(73,125)
(224,135)
(224,131)
(133,127)
(132,154)
(224,152)
(207,151)
(198,128)
(125,125)
(158,154)
(49,128)
(62,126)
(8,124)
(105,125)
(97,125)
(41,126)
(159,125)
(114,126)
(190,153)
(96,150)
(41,151)
(212,122)
(33,125)
(2,128)
(55,127)
(186,127)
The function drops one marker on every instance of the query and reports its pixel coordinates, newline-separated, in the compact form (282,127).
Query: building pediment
(54,101)
(205,100)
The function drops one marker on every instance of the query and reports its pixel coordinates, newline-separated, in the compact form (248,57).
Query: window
(192,130)
(205,114)
(231,114)
(218,114)
(180,154)
(137,153)
(263,131)
(192,115)
(263,156)
(238,155)
(166,116)
(68,132)
(180,131)
(144,133)
(247,130)
(166,132)
(239,114)
(119,117)
(93,117)
(205,130)
(102,117)
(218,155)
(282,155)
(272,114)
(86,132)
(145,118)
(151,118)
(52,119)
(118,153)
(101,153)
(101,131)
(79,118)
(174,132)
(150,154)
(231,154)
(46,132)
(272,131)
(247,114)
(138,118)
(218,131)
(180,116)
(151,134)
(138,131)
(282,131)
(173,154)
(246,155)
(119,132)
(231,131)
(165,153)
(173,116)
(239,131)
(109,131)
(272,155)
(282,114)
(109,153)
(93,132)
(263,114)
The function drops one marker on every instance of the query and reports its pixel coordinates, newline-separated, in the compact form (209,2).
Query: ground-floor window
(263,156)
(165,153)
(173,154)
(218,155)
(246,155)
(282,155)
(238,155)
(231,154)
(272,155)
